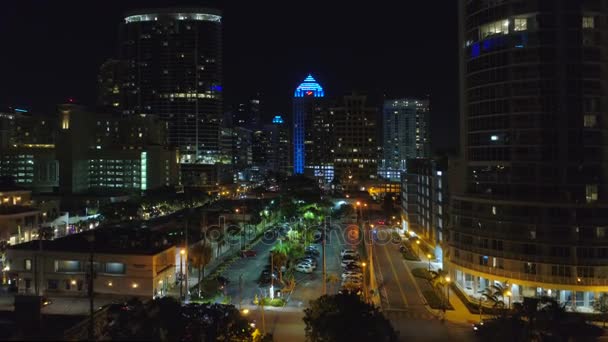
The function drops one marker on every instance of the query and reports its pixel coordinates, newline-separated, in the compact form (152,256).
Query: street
(404,305)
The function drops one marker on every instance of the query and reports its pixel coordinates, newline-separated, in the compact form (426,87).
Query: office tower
(110,85)
(307,101)
(406,134)
(105,151)
(280,152)
(530,202)
(248,114)
(174,71)
(355,148)
(424,201)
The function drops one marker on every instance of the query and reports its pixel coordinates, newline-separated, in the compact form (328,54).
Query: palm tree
(279,260)
(496,294)
(201,255)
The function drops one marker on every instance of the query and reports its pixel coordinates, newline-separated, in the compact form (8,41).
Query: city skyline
(382,57)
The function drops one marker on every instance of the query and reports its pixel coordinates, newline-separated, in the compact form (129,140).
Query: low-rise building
(127,262)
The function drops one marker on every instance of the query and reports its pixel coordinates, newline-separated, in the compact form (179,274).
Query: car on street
(304,268)
(46,301)
(313,263)
(248,253)
(312,247)
(222,281)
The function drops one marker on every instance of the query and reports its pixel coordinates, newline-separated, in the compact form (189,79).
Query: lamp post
(364,281)
(418,248)
(509,294)
(448,280)
(91,239)
(428,256)
(182,252)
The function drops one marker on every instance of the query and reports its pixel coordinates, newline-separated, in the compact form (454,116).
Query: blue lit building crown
(277,119)
(309,87)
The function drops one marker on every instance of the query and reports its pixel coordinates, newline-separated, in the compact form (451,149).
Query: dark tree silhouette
(344,317)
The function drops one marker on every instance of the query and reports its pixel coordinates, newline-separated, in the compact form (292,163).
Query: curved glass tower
(530,210)
(174,71)
(305,103)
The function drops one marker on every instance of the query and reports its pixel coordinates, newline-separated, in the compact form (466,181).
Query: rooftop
(108,240)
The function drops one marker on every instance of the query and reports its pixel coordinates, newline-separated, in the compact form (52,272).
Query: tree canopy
(344,317)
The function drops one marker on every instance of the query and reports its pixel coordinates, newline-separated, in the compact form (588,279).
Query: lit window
(28,264)
(493,28)
(520,24)
(590,121)
(591,192)
(494,138)
(588,23)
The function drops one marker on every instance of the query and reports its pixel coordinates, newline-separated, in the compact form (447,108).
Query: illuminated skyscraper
(530,198)
(406,134)
(308,100)
(174,71)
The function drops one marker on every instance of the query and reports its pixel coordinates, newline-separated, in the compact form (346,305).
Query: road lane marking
(395,275)
(379,275)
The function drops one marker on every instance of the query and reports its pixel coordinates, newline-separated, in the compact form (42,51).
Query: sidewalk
(460,314)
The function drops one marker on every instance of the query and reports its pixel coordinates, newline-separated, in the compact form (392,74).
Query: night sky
(52,50)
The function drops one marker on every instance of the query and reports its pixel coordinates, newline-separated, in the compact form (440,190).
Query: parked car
(352,267)
(350,262)
(350,257)
(312,247)
(347,274)
(248,253)
(312,253)
(304,268)
(347,251)
(352,281)
(351,289)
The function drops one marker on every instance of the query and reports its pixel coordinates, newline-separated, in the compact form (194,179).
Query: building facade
(424,202)
(77,150)
(135,267)
(174,71)
(406,124)
(530,207)
(355,143)
(308,103)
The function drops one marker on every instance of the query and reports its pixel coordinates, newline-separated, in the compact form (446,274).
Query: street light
(509,294)
(448,280)
(364,282)
(418,249)
(182,252)
(428,256)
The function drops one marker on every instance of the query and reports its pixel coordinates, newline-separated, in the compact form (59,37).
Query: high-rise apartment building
(355,146)
(406,134)
(173,58)
(530,204)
